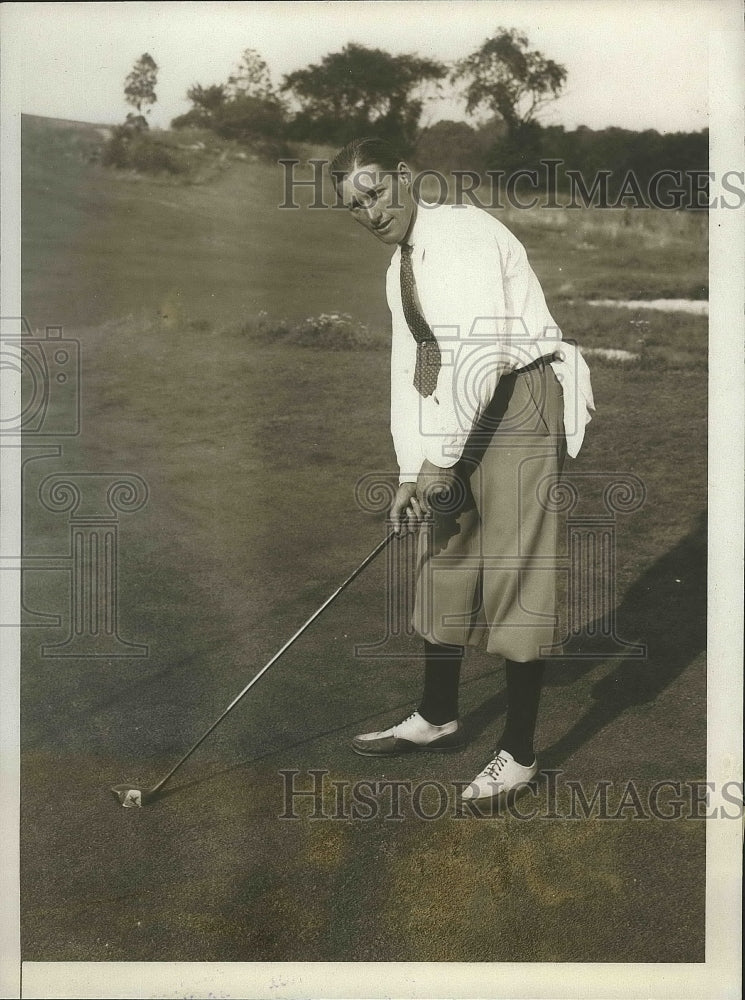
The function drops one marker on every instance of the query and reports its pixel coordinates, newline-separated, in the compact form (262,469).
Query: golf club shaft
(353,576)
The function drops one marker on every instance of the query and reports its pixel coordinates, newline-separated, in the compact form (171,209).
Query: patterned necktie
(427,349)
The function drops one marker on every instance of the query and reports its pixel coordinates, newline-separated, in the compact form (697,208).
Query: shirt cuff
(445,453)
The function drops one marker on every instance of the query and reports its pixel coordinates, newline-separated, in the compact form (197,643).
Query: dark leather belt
(538,363)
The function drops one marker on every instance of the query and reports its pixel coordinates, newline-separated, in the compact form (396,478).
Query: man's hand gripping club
(414,502)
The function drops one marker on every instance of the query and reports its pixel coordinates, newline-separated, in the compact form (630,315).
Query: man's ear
(404,172)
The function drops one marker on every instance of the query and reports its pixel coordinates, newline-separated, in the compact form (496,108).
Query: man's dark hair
(364,153)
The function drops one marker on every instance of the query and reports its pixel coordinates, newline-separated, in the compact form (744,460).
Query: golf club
(132,796)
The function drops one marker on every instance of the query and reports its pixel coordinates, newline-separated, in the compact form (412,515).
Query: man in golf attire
(486,399)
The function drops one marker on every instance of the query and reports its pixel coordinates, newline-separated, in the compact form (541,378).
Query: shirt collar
(419,229)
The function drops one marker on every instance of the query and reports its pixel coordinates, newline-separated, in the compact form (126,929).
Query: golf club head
(131,797)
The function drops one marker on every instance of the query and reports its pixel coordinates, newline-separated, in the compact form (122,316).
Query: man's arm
(405,416)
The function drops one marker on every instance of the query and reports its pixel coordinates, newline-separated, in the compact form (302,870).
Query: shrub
(336,331)
(257,123)
(131,148)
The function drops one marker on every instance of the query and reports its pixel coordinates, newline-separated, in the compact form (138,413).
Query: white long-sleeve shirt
(485,306)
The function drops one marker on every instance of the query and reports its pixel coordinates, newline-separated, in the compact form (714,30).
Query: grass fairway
(251,449)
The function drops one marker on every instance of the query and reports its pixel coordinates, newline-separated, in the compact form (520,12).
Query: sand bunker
(699,307)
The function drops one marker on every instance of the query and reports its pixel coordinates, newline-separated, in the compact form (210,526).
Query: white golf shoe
(501,776)
(414,733)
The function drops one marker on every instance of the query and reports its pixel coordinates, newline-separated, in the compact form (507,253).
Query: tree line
(367,91)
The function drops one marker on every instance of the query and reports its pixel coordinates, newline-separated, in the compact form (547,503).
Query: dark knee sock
(524,683)
(439,702)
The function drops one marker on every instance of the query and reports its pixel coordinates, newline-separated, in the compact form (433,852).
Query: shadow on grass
(665,609)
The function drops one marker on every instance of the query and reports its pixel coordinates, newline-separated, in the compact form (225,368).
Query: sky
(635,64)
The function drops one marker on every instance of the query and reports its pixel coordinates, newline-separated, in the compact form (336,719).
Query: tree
(251,78)
(246,109)
(139,87)
(207,103)
(250,120)
(361,90)
(508,79)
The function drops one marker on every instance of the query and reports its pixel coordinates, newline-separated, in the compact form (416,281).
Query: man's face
(380,200)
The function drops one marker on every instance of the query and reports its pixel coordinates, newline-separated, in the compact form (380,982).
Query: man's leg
(524,683)
(520,603)
(514,764)
(442,665)
(434,726)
